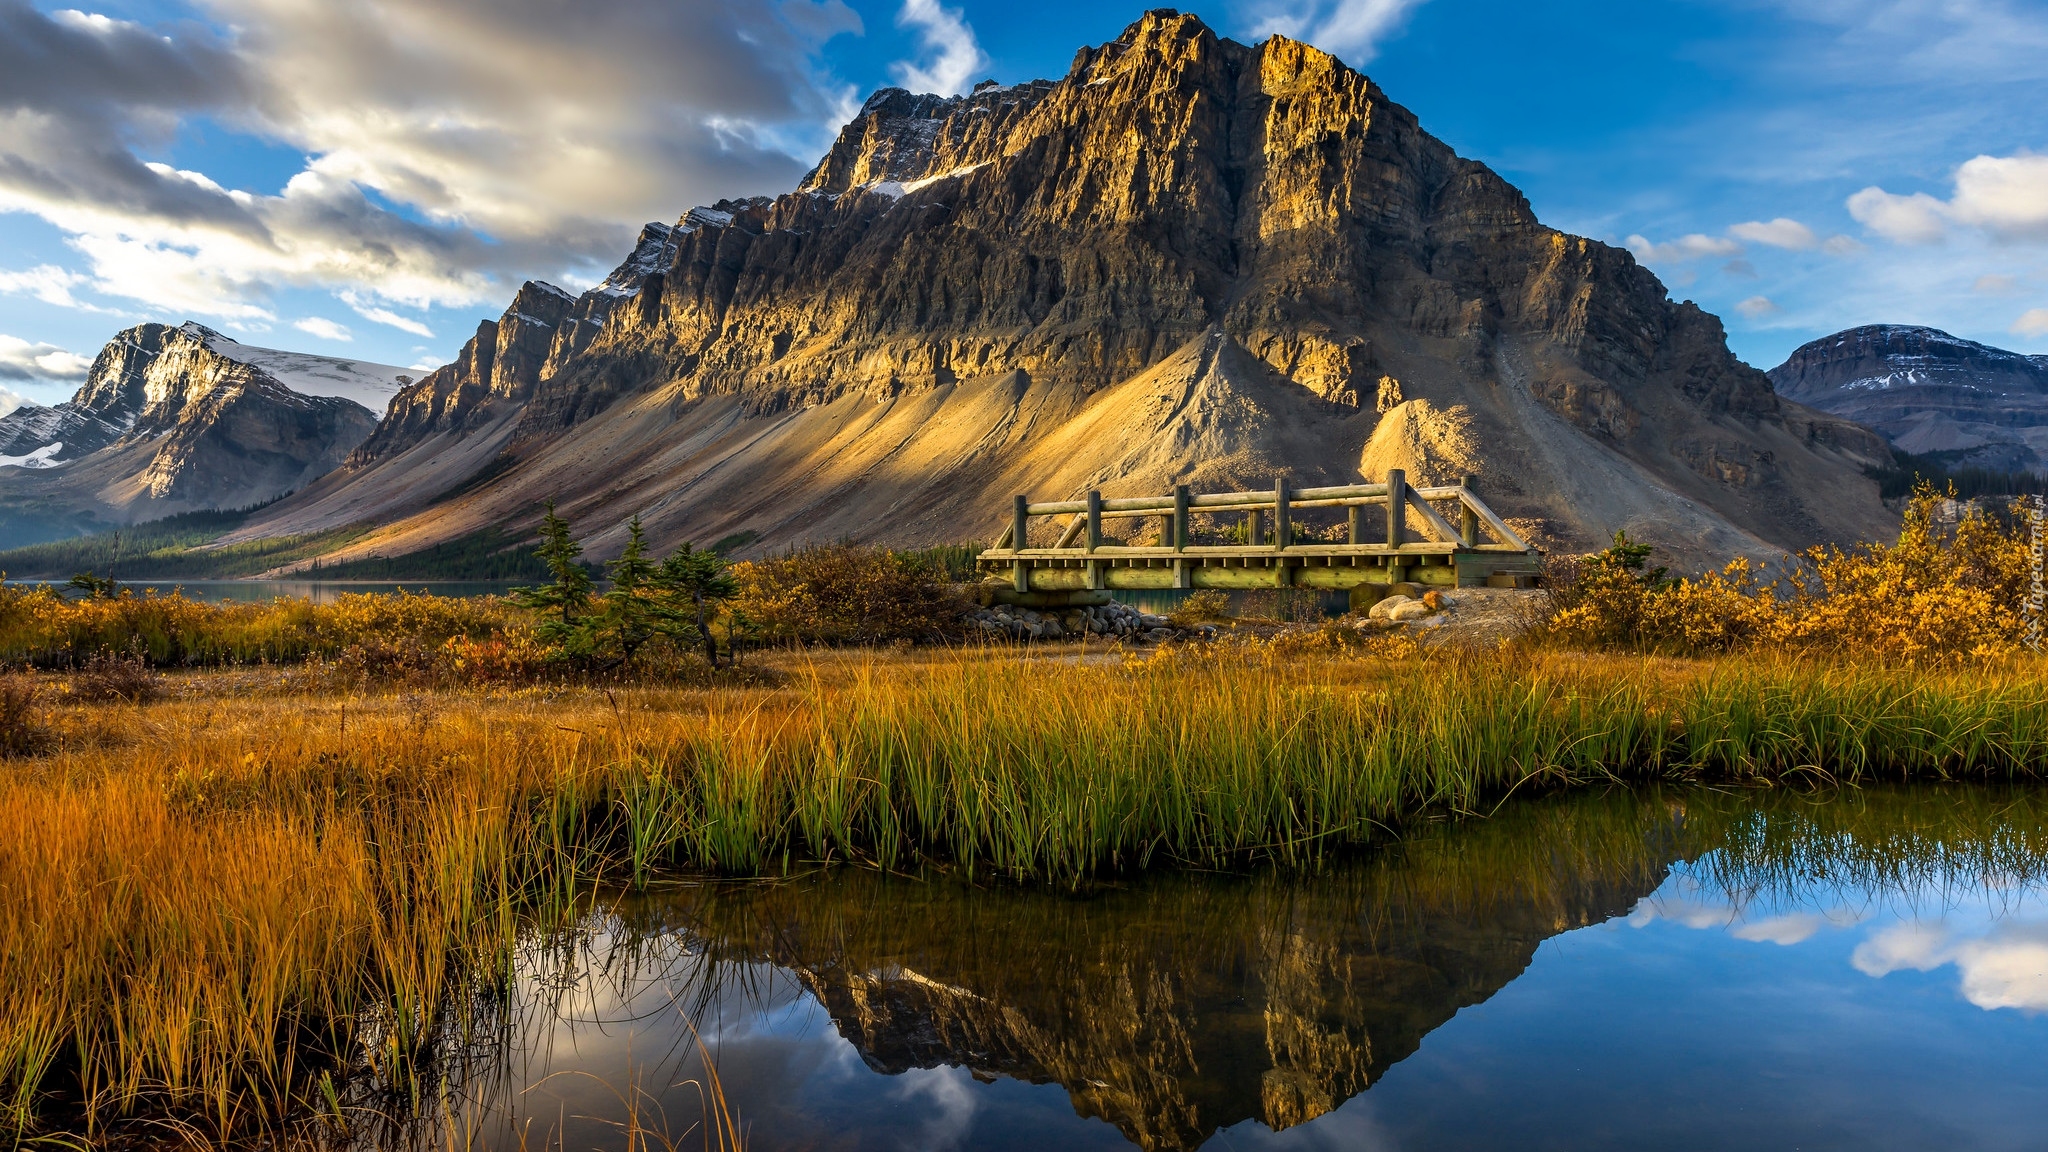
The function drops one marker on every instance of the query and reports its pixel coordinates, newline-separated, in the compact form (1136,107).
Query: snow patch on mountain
(368,384)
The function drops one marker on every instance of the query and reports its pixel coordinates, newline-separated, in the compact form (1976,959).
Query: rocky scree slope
(168,421)
(1929,393)
(1188,260)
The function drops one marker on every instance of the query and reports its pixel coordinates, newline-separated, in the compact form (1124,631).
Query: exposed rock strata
(967,278)
(1929,393)
(166,423)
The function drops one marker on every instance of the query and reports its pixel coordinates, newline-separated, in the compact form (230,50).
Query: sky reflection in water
(1631,970)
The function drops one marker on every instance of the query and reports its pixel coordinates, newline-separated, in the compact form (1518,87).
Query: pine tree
(628,617)
(691,584)
(566,599)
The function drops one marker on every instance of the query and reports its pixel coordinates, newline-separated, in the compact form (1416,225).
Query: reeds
(219,907)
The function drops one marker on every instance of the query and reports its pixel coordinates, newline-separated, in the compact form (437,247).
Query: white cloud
(1996,284)
(1915,219)
(1352,29)
(323,328)
(371,312)
(45,282)
(1757,307)
(2006,967)
(21,360)
(2032,322)
(953,55)
(1780,233)
(518,138)
(1685,248)
(2006,196)
(1841,246)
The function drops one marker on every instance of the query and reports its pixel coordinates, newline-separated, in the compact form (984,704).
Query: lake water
(319,591)
(1627,970)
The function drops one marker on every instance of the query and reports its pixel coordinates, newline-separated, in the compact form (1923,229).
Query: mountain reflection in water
(842,1006)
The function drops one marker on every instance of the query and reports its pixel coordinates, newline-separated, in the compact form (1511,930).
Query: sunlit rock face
(1929,393)
(1187,260)
(173,419)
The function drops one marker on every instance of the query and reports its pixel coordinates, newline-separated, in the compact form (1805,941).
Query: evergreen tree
(566,599)
(628,616)
(691,584)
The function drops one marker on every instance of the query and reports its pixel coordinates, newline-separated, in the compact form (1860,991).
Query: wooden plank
(1020,521)
(1181,498)
(1431,519)
(1354,527)
(1094,521)
(1074,527)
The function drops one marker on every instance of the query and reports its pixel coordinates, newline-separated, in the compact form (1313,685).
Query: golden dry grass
(216,905)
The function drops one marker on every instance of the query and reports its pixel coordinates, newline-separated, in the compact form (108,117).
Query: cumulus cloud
(1780,233)
(2032,322)
(2006,967)
(953,57)
(1757,307)
(21,360)
(2006,196)
(1685,248)
(323,328)
(516,137)
(1352,29)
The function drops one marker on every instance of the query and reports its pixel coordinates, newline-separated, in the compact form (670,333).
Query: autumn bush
(842,594)
(41,628)
(1946,590)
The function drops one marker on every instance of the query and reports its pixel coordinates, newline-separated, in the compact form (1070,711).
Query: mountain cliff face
(1188,260)
(1929,393)
(168,421)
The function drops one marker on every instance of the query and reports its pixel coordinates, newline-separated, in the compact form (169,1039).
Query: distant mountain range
(172,420)
(1188,260)
(1965,404)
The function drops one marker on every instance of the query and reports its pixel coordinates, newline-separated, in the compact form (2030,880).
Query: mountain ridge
(1929,393)
(893,348)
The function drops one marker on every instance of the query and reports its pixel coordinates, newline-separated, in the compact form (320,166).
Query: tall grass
(216,907)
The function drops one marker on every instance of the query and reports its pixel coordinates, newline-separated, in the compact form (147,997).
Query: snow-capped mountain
(175,419)
(1929,393)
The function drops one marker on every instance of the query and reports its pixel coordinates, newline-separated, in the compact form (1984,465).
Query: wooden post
(1182,498)
(1020,520)
(1397,507)
(1354,530)
(1094,539)
(1468,520)
(1255,528)
(1020,523)
(1281,520)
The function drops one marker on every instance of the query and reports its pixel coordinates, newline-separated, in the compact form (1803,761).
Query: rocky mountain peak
(1929,393)
(991,275)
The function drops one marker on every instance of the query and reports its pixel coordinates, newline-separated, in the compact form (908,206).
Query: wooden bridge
(1465,545)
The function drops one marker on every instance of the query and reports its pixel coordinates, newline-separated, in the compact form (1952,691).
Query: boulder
(1385,608)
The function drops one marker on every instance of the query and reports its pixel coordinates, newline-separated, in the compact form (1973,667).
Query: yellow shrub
(1935,595)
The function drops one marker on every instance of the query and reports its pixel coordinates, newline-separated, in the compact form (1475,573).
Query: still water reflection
(1624,970)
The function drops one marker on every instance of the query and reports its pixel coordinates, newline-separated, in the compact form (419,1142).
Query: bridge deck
(1479,549)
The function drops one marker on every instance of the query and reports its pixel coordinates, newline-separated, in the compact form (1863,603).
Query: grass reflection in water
(1176,1004)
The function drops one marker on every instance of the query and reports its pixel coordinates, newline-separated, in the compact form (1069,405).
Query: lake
(319,591)
(1671,969)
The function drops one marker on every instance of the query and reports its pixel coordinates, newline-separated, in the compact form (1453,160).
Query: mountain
(1929,393)
(1188,260)
(176,419)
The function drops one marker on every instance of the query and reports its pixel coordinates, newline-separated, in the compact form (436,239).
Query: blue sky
(371,179)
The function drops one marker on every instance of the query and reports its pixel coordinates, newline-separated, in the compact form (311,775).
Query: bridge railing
(1396,498)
